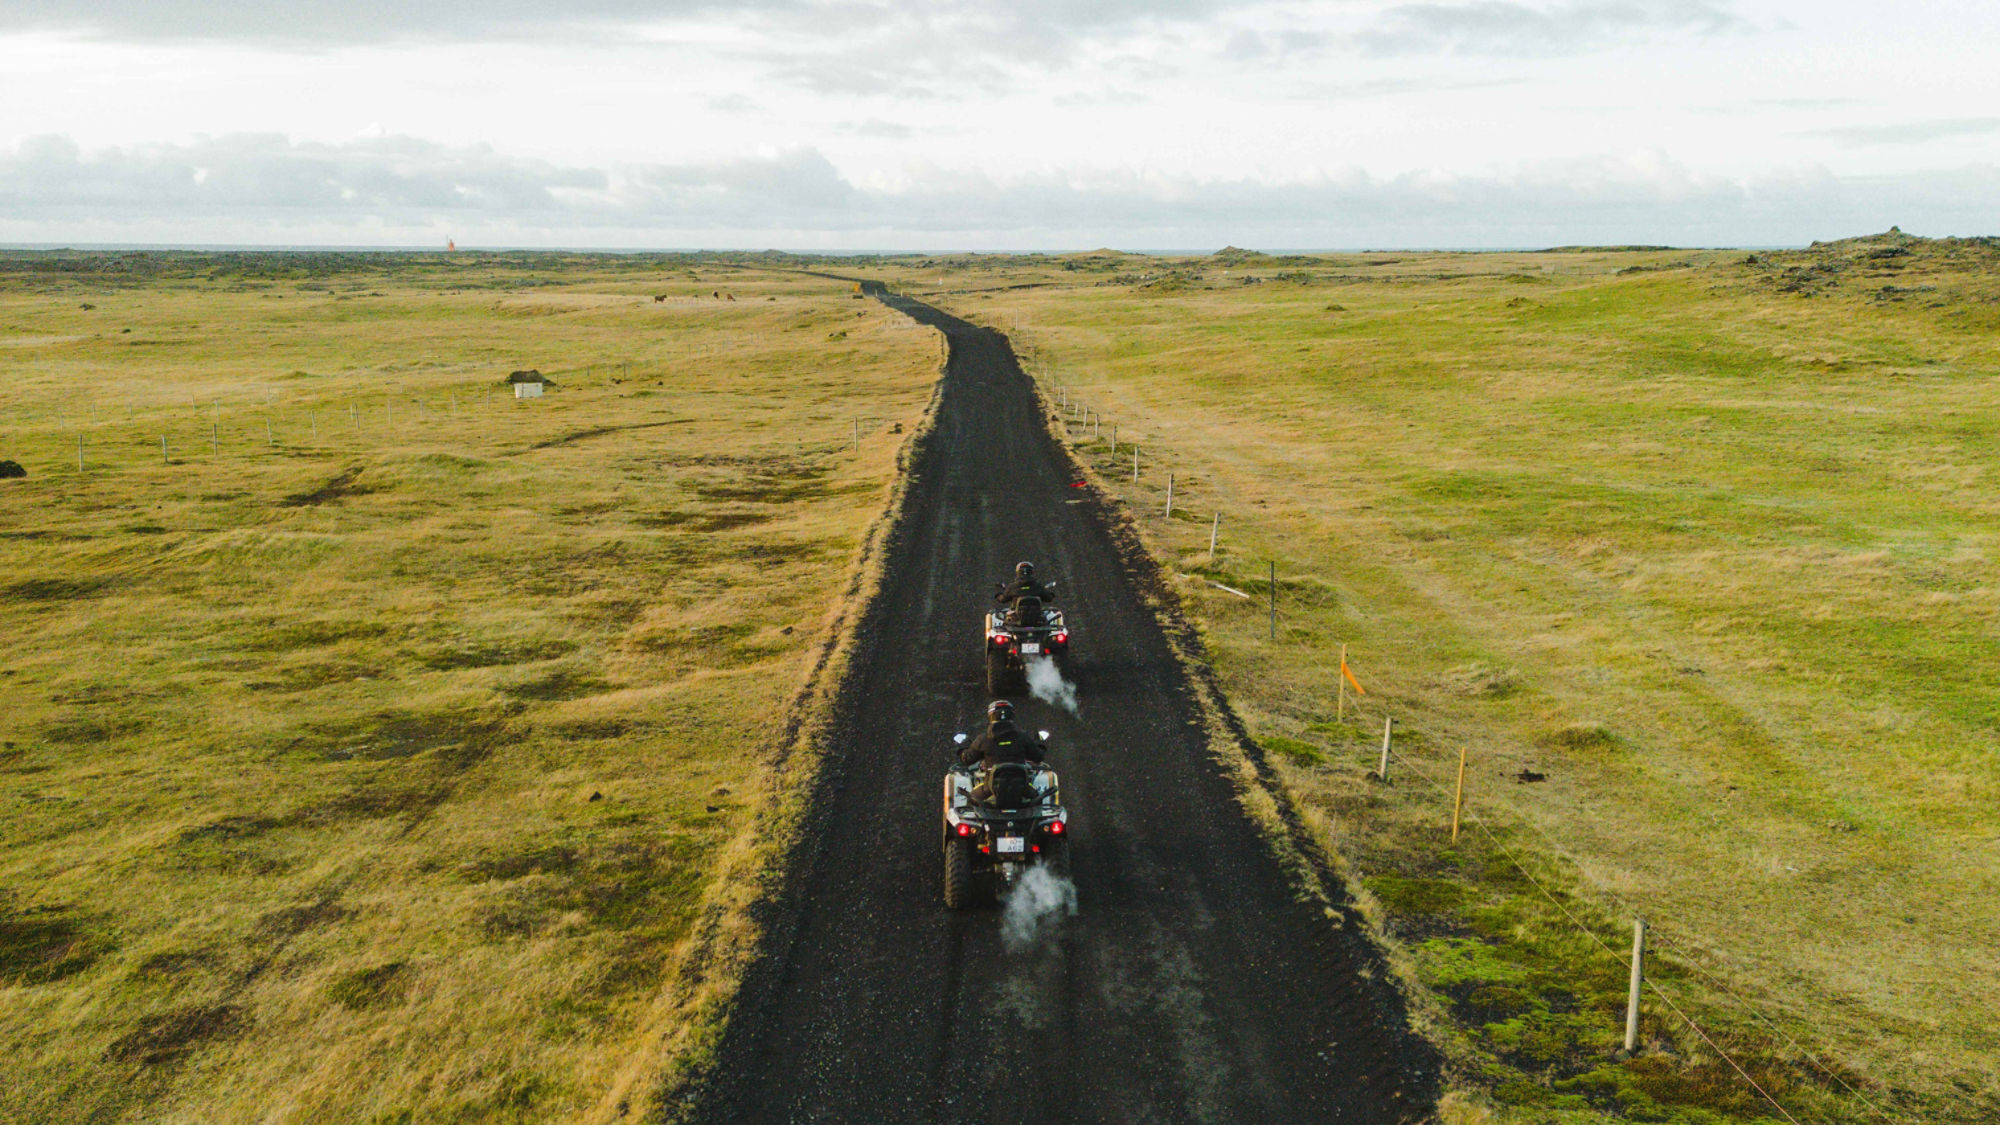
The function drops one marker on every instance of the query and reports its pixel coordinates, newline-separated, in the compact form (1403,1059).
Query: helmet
(1024,570)
(999,711)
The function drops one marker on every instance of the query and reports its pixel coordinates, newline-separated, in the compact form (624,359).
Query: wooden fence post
(1274,599)
(1382,773)
(1170,496)
(1214,527)
(1638,978)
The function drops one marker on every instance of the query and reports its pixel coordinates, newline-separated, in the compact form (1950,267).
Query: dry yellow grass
(1705,541)
(375,767)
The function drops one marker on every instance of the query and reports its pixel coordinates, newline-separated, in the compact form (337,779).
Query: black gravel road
(1191,983)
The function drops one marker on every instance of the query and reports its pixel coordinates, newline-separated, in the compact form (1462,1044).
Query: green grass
(379,765)
(1710,553)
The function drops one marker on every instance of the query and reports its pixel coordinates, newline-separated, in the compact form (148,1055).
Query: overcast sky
(974,124)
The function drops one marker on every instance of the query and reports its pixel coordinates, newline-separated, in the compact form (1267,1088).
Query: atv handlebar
(961,738)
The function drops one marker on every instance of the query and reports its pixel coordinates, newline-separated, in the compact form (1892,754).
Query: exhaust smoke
(1046,683)
(1038,900)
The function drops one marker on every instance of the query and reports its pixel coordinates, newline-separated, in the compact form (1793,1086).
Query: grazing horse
(659,298)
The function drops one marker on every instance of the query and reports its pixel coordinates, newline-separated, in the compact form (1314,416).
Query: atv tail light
(1000,638)
(1055,827)
(1062,638)
(965,829)
(1035,847)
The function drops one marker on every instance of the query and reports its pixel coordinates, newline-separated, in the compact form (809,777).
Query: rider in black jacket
(1002,742)
(1024,586)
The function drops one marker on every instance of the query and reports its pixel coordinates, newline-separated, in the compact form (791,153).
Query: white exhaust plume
(1039,897)
(1046,683)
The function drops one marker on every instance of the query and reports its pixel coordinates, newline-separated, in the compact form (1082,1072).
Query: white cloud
(319,24)
(315,24)
(50,177)
(1910,132)
(1503,27)
(877,128)
(963,122)
(403,189)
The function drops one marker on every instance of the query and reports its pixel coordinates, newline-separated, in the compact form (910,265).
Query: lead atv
(1021,824)
(1029,630)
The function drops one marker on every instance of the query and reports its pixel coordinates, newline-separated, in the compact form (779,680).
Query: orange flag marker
(1346,677)
(1349,673)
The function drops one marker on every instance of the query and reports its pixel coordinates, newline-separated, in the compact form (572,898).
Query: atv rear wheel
(957,873)
(999,678)
(1055,856)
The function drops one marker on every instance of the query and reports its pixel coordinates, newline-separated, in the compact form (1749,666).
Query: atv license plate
(1030,648)
(1011,844)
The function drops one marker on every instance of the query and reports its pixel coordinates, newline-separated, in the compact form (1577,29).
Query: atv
(1000,837)
(1030,630)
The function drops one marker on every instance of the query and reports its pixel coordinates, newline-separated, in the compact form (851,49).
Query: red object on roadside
(1078,484)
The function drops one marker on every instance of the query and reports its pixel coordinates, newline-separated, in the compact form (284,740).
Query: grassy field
(371,751)
(1693,552)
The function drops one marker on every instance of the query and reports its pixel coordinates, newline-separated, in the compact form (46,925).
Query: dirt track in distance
(1191,985)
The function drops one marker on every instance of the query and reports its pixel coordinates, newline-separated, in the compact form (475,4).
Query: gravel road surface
(1191,984)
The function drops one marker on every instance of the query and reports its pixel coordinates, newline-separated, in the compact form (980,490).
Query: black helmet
(1024,570)
(999,711)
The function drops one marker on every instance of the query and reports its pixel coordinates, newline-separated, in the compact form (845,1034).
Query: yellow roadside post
(1458,798)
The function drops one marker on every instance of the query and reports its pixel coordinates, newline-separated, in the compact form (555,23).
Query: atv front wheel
(957,874)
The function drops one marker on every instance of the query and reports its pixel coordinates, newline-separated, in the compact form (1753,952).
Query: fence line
(1685,952)
(1480,823)
(1068,405)
(1725,1055)
(1687,958)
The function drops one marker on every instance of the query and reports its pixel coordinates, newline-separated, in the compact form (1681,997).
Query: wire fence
(1073,412)
(1684,956)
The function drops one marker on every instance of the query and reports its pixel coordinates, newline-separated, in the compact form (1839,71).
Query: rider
(1002,743)
(1024,586)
